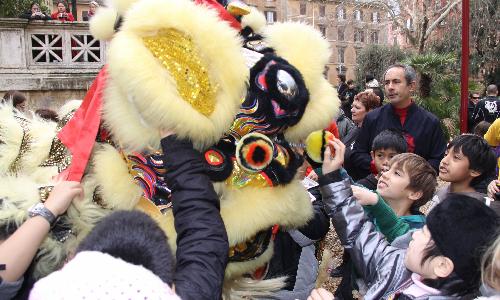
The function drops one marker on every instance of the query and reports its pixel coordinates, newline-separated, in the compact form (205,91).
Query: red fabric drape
(80,132)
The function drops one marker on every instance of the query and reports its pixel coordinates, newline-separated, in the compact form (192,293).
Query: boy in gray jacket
(443,258)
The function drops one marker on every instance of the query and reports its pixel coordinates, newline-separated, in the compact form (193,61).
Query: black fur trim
(313,164)
(246,32)
(323,144)
(118,23)
(298,103)
(280,175)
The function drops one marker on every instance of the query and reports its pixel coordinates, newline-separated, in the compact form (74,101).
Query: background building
(348,25)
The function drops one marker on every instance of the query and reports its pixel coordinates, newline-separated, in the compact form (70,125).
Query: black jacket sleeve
(437,146)
(360,156)
(27,15)
(202,244)
(478,114)
(319,225)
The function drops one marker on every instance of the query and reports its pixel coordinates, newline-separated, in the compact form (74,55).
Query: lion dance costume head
(240,90)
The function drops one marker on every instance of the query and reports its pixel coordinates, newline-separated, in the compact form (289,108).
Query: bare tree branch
(441,17)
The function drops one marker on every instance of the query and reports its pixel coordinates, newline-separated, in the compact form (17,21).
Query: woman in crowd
(35,13)
(363,103)
(92,9)
(17,99)
(61,14)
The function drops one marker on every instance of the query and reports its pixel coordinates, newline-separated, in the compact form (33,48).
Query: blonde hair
(490,266)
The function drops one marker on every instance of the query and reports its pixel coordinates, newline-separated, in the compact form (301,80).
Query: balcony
(48,55)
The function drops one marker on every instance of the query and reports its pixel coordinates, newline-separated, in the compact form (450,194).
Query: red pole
(464,86)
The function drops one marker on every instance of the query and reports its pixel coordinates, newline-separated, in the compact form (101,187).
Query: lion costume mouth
(252,247)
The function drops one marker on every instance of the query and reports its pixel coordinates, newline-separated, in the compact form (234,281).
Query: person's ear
(414,196)
(372,154)
(413,86)
(474,173)
(442,266)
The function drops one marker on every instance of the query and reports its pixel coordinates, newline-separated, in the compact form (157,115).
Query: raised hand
(364,196)
(334,163)
(62,195)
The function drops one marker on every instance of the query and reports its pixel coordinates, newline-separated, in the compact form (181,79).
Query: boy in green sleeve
(409,183)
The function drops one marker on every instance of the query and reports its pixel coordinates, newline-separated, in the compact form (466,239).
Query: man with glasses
(487,109)
(473,100)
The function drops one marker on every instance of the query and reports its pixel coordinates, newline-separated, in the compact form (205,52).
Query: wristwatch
(40,210)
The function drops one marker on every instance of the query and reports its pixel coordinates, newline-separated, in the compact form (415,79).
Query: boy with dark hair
(135,238)
(468,161)
(441,262)
(386,145)
(125,256)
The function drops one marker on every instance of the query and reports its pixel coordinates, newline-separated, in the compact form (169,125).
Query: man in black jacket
(422,129)
(473,101)
(348,97)
(202,244)
(488,109)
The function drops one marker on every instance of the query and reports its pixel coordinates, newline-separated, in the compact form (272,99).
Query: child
(490,271)
(481,128)
(468,161)
(442,258)
(409,183)
(386,145)
(125,256)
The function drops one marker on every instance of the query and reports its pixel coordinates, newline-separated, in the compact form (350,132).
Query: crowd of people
(404,237)
(62,13)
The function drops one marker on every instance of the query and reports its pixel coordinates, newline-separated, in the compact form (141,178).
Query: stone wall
(49,61)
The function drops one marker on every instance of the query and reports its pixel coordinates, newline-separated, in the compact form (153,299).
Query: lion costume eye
(286,85)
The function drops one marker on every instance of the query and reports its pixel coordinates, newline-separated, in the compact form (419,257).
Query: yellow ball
(316,143)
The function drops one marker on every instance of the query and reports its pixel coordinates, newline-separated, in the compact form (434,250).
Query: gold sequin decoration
(282,156)
(240,178)
(59,155)
(25,146)
(178,54)
(44,192)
